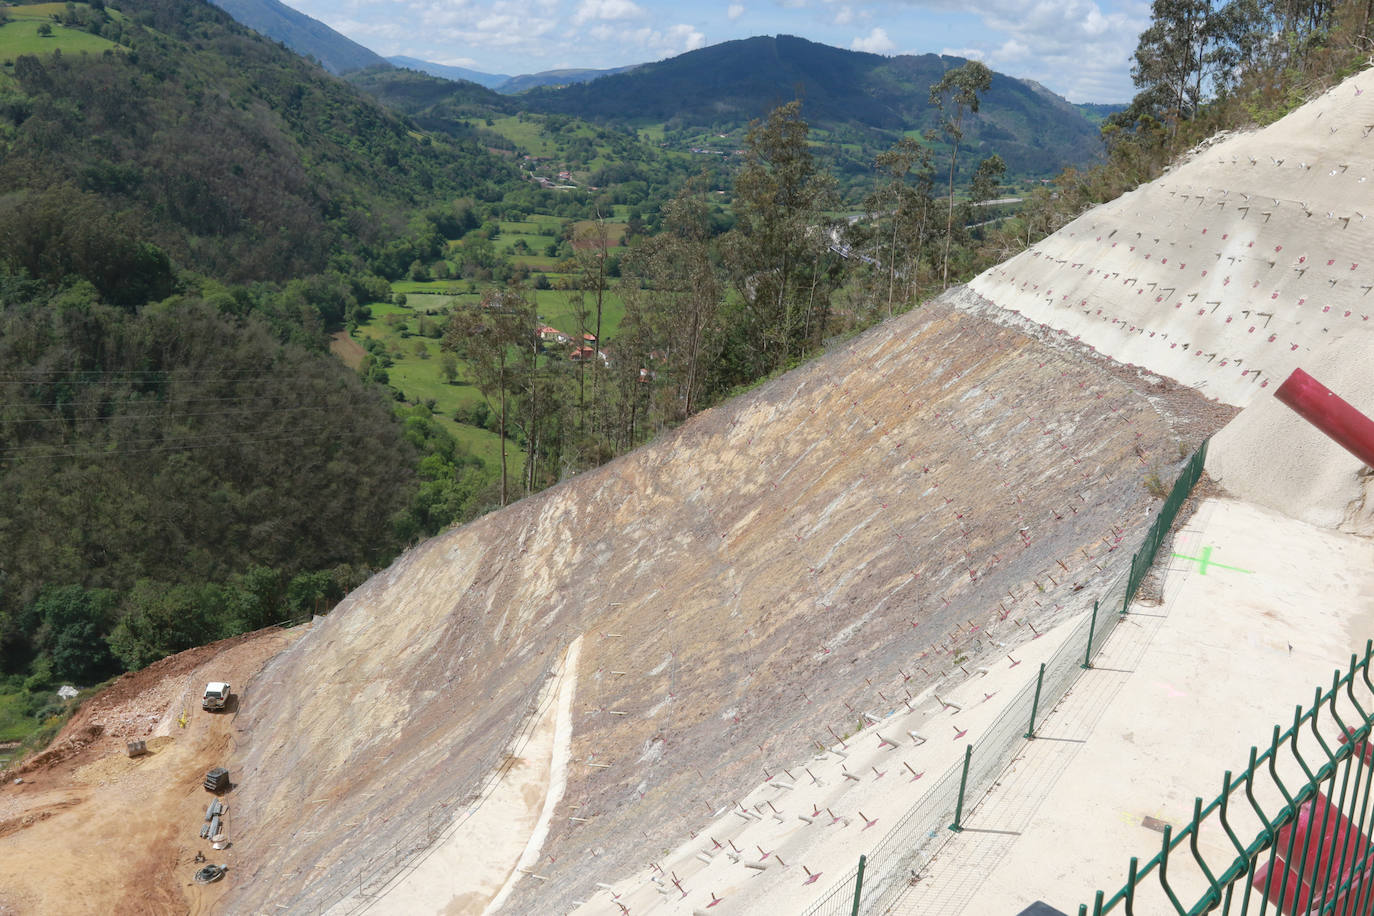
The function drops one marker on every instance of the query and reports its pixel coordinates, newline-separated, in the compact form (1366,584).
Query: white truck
(216,696)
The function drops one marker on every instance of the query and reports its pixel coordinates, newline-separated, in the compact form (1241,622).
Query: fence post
(963,784)
(1035,704)
(858,886)
(1130,586)
(1092,627)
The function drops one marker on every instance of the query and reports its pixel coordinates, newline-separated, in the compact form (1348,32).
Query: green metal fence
(1305,804)
(1144,558)
(937,816)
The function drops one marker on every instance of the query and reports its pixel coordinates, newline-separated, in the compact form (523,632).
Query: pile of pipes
(211,828)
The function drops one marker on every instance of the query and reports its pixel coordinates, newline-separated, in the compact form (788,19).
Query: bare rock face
(739,585)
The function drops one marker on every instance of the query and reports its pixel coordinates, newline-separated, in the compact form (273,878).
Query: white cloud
(688,38)
(875,42)
(607,10)
(673,40)
(844,15)
(1081,48)
(966,53)
(734,11)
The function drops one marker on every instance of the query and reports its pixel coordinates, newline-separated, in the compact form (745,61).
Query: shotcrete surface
(1171,706)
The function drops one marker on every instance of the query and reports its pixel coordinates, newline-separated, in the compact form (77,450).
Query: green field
(527,133)
(15,723)
(20,36)
(555,310)
(420,379)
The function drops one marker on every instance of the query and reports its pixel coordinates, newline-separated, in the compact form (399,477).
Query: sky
(1080,49)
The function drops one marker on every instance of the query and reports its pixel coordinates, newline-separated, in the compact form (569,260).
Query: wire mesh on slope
(903,851)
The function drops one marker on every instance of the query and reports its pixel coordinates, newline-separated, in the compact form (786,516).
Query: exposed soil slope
(744,584)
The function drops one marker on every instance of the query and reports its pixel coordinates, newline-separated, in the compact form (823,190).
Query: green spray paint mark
(1205,561)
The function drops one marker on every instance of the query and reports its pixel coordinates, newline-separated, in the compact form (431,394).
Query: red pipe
(1324,409)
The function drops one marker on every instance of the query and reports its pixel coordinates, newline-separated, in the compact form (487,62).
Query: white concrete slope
(1249,259)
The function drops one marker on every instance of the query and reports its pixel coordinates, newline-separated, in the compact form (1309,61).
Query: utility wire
(215,440)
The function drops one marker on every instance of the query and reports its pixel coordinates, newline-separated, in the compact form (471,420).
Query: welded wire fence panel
(839,900)
(1291,834)
(1178,495)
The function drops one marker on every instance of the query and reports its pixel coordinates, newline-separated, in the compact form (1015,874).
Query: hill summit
(737,81)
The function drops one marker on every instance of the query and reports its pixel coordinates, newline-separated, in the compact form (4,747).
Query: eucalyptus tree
(778,254)
(956,95)
(907,199)
(493,338)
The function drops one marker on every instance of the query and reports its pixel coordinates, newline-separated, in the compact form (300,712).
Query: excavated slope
(740,586)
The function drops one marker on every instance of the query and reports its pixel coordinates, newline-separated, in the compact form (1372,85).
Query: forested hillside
(306,36)
(227,153)
(184,216)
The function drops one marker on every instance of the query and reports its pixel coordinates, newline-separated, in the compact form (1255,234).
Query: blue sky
(1081,49)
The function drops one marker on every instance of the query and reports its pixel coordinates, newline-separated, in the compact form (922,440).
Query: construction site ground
(87,829)
(1257,610)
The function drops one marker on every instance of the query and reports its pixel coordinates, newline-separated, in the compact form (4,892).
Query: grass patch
(33,718)
(432,287)
(16,722)
(528,134)
(420,379)
(556,311)
(20,36)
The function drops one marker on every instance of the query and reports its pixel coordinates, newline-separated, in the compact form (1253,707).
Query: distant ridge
(504,83)
(306,36)
(444,71)
(554,78)
(729,84)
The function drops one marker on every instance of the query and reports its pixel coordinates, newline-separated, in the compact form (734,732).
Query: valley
(635,490)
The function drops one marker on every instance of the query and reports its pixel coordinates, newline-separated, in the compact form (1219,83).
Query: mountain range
(869,98)
(502,83)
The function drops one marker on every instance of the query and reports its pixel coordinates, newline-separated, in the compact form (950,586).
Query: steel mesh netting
(1289,834)
(915,838)
(924,829)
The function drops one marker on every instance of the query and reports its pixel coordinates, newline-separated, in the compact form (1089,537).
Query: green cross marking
(1205,561)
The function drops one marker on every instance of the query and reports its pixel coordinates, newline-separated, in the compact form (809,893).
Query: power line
(30,452)
(173,400)
(164,416)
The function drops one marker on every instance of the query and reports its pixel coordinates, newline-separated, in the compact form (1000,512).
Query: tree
(487,337)
(159,619)
(71,624)
(778,252)
(44,30)
(1171,57)
(448,365)
(674,294)
(591,243)
(908,206)
(956,95)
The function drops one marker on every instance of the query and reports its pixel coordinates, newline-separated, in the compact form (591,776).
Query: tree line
(712,308)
